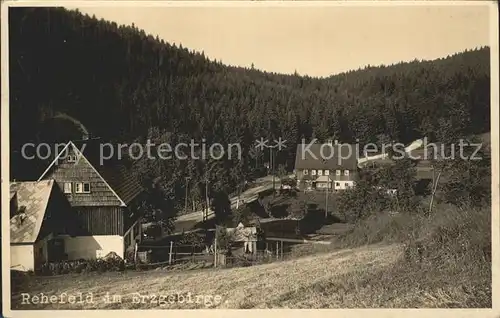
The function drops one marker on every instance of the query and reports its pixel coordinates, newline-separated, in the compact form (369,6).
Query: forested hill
(124,84)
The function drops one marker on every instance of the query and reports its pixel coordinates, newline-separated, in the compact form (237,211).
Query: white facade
(343,185)
(22,257)
(91,247)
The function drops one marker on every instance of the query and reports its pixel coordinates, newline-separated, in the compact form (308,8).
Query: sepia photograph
(248,155)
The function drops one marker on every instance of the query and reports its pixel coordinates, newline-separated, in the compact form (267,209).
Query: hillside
(264,286)
(124,85)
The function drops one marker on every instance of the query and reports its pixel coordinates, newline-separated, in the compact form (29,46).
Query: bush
(453,236)
(240,261)
(243,214)
(224,239)
(81,266)
(446,255)
(193,239)
(357,203)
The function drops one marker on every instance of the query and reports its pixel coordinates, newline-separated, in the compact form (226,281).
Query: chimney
(22,214)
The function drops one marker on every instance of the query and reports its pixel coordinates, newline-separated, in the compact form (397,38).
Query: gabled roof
(115,172)
(324,179)
(33,197)
(319,156)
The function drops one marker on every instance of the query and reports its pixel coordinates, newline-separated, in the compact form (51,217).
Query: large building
(103,196)
(326,166)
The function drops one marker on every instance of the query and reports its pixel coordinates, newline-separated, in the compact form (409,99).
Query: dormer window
(86,187)
(78,187)
(327,172)
(346,172)
(306,171)
(337,172)
(313,172)
(72,158)
(320,172)
(82,187)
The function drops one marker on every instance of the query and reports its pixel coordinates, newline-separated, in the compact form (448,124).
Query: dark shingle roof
(320,156)
(115,171)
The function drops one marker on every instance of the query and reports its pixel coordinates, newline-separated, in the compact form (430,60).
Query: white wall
(96,246)
(22,257)
(342,185)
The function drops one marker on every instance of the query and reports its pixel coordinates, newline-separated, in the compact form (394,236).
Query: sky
(312,40)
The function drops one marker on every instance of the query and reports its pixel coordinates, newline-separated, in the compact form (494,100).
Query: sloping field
(319,281)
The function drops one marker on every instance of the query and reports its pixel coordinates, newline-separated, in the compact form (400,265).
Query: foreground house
(104,198)
(40,216)
(317,168)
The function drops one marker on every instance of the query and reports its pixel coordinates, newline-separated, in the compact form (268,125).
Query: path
(250,195)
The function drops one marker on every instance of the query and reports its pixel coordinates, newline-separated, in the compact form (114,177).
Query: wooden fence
(271,250)
(175,253)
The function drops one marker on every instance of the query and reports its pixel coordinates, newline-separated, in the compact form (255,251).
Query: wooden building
(104,195)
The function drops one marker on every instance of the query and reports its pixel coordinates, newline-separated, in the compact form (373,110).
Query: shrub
(192,239)
(453,236)
(240,261)
(224,239)
(81,266)
(243,214)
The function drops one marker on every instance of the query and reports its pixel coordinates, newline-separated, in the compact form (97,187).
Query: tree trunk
(207,203)
(434,191)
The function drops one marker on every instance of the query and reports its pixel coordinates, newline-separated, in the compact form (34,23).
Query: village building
(103,196)
(326,166)
(40,216)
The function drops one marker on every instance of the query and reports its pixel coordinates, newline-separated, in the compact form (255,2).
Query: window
(78,187)
(306,172)
(320,172)
(71,158)
(313,172)
(346,172)
(337,184)
(86,187)
(337,172)
(327,172)
(67,187)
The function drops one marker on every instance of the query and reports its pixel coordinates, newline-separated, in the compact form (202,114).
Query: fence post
(281,249)
(277,250)
(215,251)
(135,251)
(170,253)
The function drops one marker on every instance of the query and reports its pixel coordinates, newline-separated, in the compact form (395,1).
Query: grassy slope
(325,280)
(402,261)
